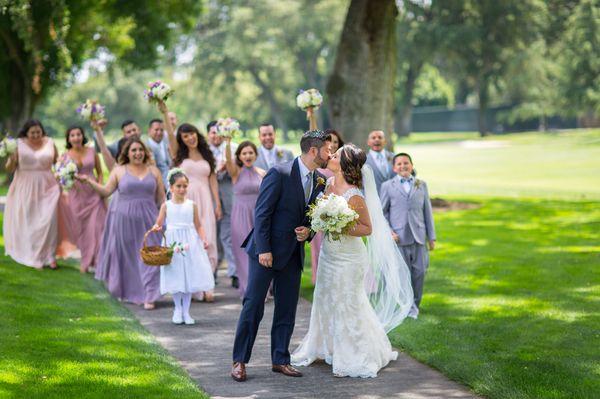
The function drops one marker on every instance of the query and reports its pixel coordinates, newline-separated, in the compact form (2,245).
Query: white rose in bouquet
(7,146)
(310,98)
(333,216)
(158,91)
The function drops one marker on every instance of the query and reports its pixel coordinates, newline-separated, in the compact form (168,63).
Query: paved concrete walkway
(204,350)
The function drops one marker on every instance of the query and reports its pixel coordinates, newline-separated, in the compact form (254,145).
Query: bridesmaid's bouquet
(65,171)
(332,215)
(8,146)
(91,111)
(310,98)
(228,127)
(157,91)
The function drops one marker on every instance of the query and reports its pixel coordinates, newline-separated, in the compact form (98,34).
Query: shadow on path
(204,350)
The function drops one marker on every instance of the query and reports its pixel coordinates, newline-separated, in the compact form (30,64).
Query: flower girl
(190,270)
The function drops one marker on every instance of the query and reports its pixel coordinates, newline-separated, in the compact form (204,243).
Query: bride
(361,292)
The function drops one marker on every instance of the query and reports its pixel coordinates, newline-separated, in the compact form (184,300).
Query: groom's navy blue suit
(280,208)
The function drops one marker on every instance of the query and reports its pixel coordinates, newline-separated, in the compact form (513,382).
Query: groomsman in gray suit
(379,159)
(406,206)
(217,146)
(269,154)
(158,143)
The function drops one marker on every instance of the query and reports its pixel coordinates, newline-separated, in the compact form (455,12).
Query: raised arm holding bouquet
(310,100)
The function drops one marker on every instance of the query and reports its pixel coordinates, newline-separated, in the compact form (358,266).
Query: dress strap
(351,192)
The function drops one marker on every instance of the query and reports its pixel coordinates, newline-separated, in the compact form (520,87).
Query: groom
(275,250)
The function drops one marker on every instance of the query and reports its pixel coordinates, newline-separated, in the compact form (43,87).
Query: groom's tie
(307,186)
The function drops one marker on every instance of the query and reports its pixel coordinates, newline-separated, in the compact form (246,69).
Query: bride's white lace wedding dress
(344,329)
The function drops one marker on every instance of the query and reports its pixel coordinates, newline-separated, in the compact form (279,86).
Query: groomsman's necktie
(382,163)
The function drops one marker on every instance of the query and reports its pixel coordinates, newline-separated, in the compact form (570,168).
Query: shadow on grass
(63,336)
(511,300)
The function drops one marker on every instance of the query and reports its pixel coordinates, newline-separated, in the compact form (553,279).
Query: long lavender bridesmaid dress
(120,266)
(245,193)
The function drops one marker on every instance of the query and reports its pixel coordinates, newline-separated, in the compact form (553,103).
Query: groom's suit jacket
(408,210)
(280,208)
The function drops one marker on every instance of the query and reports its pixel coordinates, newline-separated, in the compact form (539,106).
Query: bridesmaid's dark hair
(183,152)
(238,152)
(352,160)
(124,154)
(28,125)
(73,127)
(333,132)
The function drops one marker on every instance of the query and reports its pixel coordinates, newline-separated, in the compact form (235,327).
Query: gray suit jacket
(160,152)
(414,208)
(380,176)
(283,156)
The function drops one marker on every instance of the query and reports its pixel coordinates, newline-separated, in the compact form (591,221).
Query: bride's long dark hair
(352,160)
(183,151)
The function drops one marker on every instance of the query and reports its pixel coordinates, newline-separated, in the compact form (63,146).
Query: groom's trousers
(286,288)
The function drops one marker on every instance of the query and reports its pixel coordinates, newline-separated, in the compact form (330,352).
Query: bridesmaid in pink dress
(315,245)
(31,215)
(87,206)
(246,179)
(190,151)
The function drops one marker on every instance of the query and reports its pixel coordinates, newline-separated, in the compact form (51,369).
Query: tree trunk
(276,112)
(414,70)
(361,86)
(483,93)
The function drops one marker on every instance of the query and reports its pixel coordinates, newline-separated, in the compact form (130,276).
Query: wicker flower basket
(155,255)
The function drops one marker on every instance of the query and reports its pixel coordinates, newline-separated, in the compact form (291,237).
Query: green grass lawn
(512,299)
(63,336)
(544,165)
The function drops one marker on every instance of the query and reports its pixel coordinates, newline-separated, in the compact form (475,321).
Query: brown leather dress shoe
(238,371)
(286,369)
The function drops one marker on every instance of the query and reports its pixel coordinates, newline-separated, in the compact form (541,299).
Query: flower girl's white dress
(344,329)
(190,270)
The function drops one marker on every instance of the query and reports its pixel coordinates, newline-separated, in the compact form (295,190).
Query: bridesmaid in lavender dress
(335,142)
(87,206)
(246,179)
(31,216)
(190,152)
(140,193)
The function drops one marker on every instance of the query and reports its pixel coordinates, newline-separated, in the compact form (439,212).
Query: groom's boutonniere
(279,153)
(320,181)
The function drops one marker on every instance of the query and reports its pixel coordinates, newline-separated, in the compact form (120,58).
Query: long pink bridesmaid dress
(31,215)
(89,211)
(199,191)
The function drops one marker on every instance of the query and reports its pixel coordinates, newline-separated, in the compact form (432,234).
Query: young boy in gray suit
(407,208)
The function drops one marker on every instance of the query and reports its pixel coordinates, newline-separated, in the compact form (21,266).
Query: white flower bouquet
(333,216)
(310,98)
(91,110)
(228,127)
(158,91)
(8,146)
(65,171)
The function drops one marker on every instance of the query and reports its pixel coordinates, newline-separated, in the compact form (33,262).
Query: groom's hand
(302,233)
(266,259)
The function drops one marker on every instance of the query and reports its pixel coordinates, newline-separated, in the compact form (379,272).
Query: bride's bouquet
(228,127)
(158,91)
(333,216)
(310,98)
(91,111)
(65,171)
(8,146)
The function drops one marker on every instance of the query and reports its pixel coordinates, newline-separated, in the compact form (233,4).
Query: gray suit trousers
(224,225)
(416,257)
